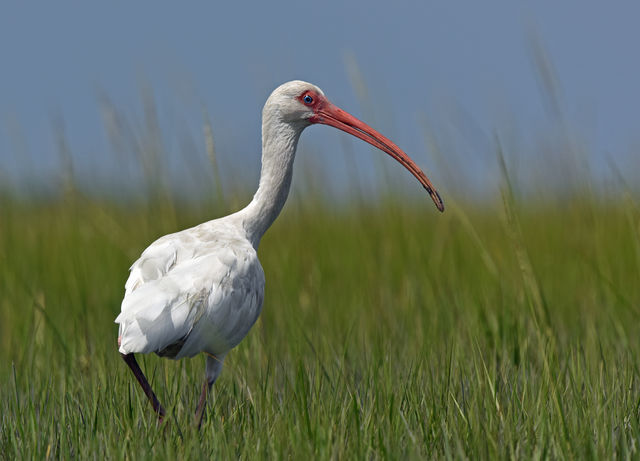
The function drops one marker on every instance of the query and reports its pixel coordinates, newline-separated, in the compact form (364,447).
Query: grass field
(388,331)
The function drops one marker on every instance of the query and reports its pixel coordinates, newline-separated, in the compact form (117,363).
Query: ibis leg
(146,387)
(214,367)
(202,403)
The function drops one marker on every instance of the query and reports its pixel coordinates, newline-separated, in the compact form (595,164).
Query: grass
(387,332)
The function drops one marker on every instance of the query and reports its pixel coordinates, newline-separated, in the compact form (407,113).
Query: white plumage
(201,290)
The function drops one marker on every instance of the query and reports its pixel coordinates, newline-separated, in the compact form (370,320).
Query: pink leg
(202,403)
(214,367)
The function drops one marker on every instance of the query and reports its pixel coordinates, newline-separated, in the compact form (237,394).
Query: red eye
(307,100)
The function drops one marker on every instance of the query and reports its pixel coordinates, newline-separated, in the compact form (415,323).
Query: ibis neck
(279,142)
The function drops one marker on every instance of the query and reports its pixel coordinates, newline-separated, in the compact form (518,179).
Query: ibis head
(302,104)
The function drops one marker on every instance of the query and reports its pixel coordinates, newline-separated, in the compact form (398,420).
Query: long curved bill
(329,114)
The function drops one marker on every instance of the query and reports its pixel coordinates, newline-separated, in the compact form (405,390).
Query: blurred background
(110,98)
(505,327)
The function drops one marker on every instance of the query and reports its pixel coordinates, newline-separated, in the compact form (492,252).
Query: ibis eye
(307,99)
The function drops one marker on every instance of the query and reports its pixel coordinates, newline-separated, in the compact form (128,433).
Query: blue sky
(462,69)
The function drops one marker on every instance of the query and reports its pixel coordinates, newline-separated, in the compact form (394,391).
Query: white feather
(203,286)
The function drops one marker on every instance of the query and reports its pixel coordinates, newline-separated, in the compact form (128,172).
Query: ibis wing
(157,321)
(198,302)
(156,261)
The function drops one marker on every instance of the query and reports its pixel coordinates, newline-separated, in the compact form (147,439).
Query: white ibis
(201,289)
